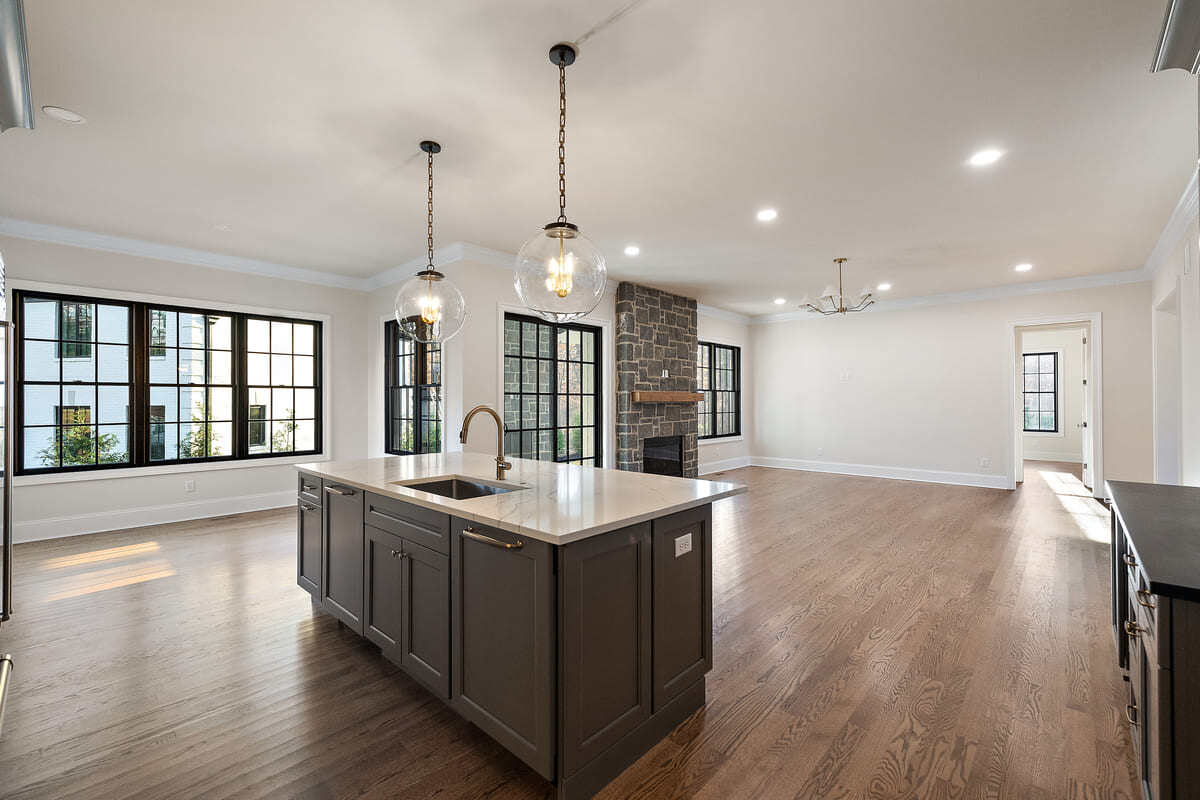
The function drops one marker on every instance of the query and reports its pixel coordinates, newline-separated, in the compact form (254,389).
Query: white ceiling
(295,124)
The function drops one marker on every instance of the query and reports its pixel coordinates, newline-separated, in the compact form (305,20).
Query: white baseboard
(58,527)
(707,467)
(1033,455)
(894,473)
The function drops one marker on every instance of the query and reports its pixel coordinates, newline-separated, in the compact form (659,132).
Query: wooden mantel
(666,397)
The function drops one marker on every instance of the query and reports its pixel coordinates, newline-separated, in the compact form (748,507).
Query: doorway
(1056,382)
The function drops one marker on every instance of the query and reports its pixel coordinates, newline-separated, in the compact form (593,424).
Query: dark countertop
(1163,523)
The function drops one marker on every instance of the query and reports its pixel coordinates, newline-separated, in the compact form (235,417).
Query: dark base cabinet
(1156,622)
(577,658)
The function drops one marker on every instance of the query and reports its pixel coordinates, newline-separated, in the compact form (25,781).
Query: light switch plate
(683,545)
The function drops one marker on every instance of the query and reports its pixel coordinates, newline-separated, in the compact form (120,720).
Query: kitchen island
(565,610)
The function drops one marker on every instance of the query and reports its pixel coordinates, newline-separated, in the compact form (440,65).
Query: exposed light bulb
(431,307)
(561,273)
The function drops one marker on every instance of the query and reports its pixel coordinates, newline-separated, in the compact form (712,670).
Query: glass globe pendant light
(429,308)
(560,274)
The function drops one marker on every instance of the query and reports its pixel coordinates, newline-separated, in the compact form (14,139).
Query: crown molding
(975,295)
(720,313)
(1177,224)
(73,237)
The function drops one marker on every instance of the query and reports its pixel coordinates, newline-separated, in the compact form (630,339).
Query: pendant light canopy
(429,308)
(560,274)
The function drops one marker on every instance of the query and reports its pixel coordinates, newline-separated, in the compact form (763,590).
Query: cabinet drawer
(1150,619)
(417,524)
(308,488)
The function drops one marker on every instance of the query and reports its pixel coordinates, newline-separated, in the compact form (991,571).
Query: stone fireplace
(656,332)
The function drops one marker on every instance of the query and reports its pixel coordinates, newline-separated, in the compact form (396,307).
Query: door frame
(1094,389)
(1163,305)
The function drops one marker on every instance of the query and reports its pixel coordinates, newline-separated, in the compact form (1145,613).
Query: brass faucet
(501,464)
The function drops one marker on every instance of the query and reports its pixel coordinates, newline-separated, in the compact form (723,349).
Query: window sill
(165,469)
(721,440)
(1044,434)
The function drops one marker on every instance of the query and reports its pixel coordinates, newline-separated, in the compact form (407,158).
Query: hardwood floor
(873,639)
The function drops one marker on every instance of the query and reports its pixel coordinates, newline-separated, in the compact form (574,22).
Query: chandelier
(560,274)
(832,301)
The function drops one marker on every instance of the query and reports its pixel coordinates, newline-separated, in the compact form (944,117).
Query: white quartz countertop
(555,503)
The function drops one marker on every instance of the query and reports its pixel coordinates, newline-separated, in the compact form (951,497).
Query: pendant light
(560,274)
(429,308)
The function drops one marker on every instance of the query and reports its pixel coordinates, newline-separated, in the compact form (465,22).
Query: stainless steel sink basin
(459,489)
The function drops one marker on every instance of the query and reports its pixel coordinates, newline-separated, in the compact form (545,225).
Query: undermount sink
(460,489)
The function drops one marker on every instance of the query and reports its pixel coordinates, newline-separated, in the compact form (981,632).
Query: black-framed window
(413,389)
(719,380)
(1039,374)
(552,391)
(75,380)
(107,383)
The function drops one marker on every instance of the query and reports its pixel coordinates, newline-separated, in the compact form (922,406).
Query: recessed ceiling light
(1023,267)
(985,158)
(883,287)
(632,249)
(767,214)
(780,301)
(63,115)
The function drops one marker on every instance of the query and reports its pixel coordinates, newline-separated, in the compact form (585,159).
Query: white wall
(472,359)
(46,506)
(1067,444)
(922,393)
(720,454)
(1177,355)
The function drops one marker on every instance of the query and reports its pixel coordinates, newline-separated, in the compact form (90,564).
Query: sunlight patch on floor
(103,579)
(1089,515)
(96,556)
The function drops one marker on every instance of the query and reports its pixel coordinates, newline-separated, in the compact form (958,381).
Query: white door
(1087,412)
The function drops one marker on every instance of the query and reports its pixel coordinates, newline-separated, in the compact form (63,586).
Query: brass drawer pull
(1143,598)
(399,554)
(1131,714)
(307,507)
(339,490)
(304,487)
(1133,629)
(479,537)
(1129,560)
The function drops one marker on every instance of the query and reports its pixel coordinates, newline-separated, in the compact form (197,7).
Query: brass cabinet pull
(1131,713)
(1143,598)
(1129,560)
(307,507)
(339,490)
(304,487)
(1133,629)
(399,554)
(479,537)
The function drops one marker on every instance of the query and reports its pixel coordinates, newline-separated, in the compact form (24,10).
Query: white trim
(709,467)
(1015,457)
(122,245)
(974,295)
(1181,216)
(720,440)
(162,469)
(1172,296)
(1038,455)
(720,313)
(608,394)
(326,321)
(97,522)
(891,473)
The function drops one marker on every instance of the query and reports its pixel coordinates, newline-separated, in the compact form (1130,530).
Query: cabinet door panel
(503,645)
(682,601)
(383,579)
(604,636)
(308,548)
(342,555)
(426,644)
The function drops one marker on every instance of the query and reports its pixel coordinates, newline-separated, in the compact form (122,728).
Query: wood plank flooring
(873,639)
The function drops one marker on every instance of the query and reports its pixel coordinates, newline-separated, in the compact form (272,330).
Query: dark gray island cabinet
(576,657)
(1156,621)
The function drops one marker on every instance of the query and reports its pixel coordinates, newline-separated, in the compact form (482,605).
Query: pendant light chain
(562,143)
(429,211)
